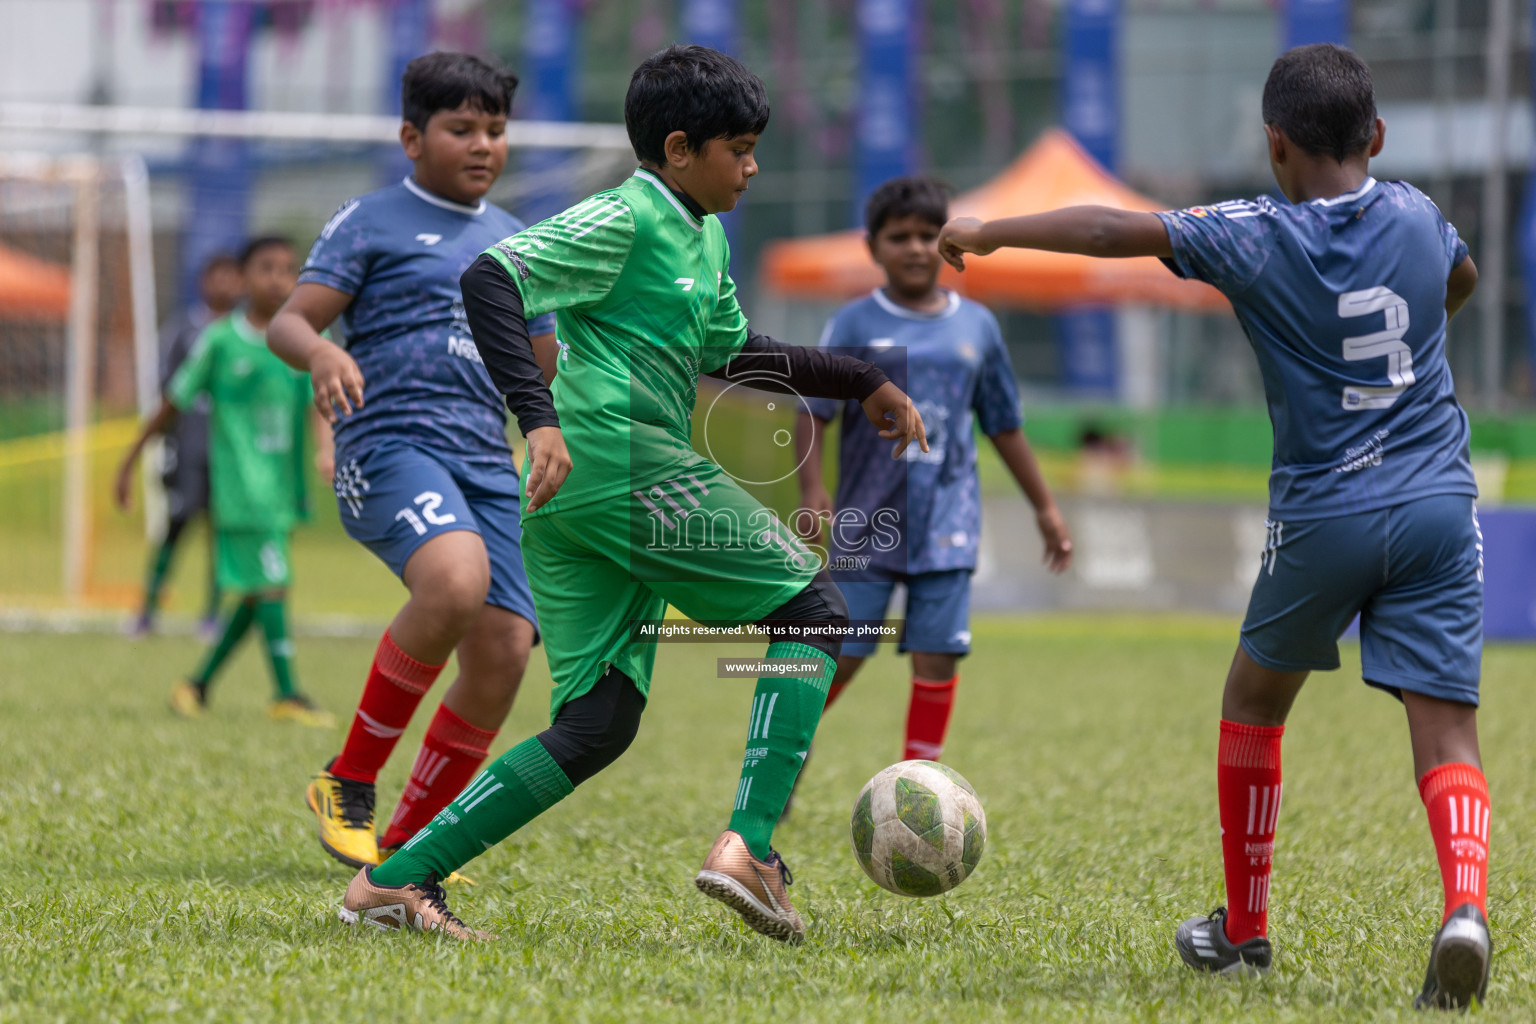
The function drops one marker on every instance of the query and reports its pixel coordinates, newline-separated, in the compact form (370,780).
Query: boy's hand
(818,502)
(1058,539)
(960,236)
(890,410)
(122,485)
(337,381)
(548,465)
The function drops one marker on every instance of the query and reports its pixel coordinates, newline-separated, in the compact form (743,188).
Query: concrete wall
(1150,556)
(1131,554)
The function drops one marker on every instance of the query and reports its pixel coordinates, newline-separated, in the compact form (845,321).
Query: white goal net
(96,213)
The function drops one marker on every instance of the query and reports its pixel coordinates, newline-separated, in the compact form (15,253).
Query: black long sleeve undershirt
(769,365)
(494,307)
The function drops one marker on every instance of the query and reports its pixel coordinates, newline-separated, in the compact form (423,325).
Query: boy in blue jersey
(424,476)
(1344,293)
(948,355)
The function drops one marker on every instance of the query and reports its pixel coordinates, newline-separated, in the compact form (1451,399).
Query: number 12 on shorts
(429,502)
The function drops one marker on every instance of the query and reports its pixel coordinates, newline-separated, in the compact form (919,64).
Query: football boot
(1203,944)
(188,699)
(1459,957)
(344,811)
(417,908)
(300,709)
(755,889)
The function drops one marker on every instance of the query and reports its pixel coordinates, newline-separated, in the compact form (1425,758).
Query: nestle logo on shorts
(756,668)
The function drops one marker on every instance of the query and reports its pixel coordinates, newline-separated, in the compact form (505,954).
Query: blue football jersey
(399,253)
(924,514)
(1343,300)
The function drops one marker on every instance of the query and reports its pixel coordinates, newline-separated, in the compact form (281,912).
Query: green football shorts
(697,541)
(250,561)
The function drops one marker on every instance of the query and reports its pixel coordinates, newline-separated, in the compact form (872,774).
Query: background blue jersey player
(920,527)
(424,476)
(1344,292)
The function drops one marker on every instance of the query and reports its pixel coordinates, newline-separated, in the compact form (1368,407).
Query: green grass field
(153,869)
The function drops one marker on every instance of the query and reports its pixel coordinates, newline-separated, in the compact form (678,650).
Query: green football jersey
(256,424)
(644,303)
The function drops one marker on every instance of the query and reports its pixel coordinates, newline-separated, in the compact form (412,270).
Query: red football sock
(1456,797)
(451,753)
(396,684)
(833,693)
(1248,788)
(928,718)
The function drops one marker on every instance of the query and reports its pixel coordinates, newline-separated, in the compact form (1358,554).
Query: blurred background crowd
(1132,387)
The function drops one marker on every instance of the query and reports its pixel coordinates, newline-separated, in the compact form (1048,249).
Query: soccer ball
(918,828)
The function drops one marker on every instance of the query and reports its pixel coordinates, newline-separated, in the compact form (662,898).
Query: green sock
(158,568)
(513,790)
(240,620)
(785,712)
(272,613)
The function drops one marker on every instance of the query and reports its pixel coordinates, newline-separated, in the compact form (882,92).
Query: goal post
(54,210)
(94,203)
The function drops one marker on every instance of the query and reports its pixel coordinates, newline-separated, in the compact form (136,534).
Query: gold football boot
(417,908)
(755,889)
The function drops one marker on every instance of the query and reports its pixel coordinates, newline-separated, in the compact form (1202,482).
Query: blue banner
(548,93)
(1316,21)
(219,175)
(1509,566)
(711,23)
(1087,355)
(1090,79)
(1527,243)
(884,129)
(1087,358)
(408,34)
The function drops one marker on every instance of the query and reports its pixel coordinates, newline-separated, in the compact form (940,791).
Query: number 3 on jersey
(429,501)
(1386,344)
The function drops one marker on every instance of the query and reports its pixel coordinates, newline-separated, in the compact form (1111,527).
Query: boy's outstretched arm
(1087,230)
(1460,286)
(122,486)
(1020,460)
(294,337)
(769,365)
(494,307)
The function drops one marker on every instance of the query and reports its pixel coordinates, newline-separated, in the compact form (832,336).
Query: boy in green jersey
(257,411)
(621,516)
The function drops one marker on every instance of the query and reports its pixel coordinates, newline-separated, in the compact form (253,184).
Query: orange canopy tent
(32,289)
(1053,173)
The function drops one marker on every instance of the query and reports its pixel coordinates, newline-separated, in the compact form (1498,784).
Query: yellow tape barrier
(26,451)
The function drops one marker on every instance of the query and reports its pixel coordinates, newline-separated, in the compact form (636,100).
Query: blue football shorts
(1413,573)
(396,498)
(938,613)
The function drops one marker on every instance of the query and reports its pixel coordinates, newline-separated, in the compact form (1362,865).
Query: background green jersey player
(257,407)
(621,516)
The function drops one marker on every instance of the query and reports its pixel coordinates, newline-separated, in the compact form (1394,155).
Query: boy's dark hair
(259,243)
(445,81)
(1321,97)
(927,198)
(222,258)
(691,89)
